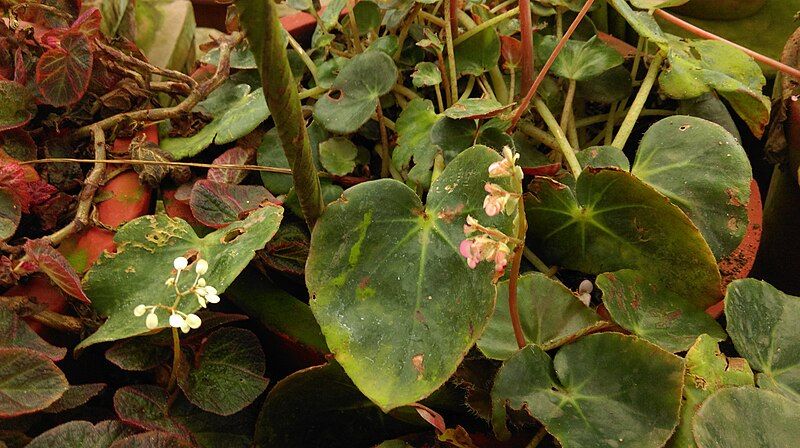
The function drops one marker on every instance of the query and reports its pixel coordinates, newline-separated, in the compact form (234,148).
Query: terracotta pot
(209,13)
(721,9)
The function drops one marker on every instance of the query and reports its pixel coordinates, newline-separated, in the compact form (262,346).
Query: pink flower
(504,167)
(501,257)
(470,226)
(466,249)
(497,199)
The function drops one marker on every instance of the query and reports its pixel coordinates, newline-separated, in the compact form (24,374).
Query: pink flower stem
(514,277)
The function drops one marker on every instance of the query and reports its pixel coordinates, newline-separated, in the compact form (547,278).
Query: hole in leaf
(335,94)
(231,236)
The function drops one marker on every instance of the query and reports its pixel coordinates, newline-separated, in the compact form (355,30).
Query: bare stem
(176,359)
(514,276)
(626,127)
(451,22)
(563,143)
(526,34)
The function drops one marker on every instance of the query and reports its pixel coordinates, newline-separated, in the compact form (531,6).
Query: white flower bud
(139,310)
(586,286)
(193,321)
(176,321)
(185,328)
(585,298)
(180,263)
(151,322)
(201,267)
(201,282)
(201,300)
(212,298)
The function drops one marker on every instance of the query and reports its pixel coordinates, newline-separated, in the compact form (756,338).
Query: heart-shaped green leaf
(270,153)
(698,67)
(29,382)
(707,371)
(82,434)
(478,54)
(610,86)
(17,107)
(218,204)
(703,170)
(62,73)
(578,60)
(229,374)
(414,140)
(320,406)
(746,417)
(764,325)
(548,312)
(397,303)
(146,246)
(338,155)
(658,275)
(606,389)
(355,92)
(236,111)
(426,74)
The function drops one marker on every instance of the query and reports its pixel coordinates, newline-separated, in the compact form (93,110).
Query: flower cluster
(484,244)
(487,243)
(203,292)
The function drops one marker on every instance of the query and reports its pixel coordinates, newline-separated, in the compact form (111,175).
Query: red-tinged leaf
(55,266)
(511,50)
(14,332)
(82,434)
(233,156)
(216,204)
(51,19)
(16,105)
(29,382)
(544,170)
(430,416)
(88,23)
(75,396)
(63,73)
(152,439)
(145,407)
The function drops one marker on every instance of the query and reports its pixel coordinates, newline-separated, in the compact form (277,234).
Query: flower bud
(151,322)
(201,267)
(212,298)
(193,321)
(180,263)
(176,321)
(139,310)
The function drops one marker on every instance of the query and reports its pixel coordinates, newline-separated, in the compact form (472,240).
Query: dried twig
(17,304)
(198,93)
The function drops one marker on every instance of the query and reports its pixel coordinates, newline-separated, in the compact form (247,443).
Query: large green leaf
(657,273)
(698,67)
(746,417)
(82,434)
(548,312)
(229,372)
(355,92)
(478,54)
(146,246)
(764,325)
(236,111)
(578,60)
(29,381)
(641,21)
(703,170)
(605,390)
(320,406)
(397,303)
(707,371)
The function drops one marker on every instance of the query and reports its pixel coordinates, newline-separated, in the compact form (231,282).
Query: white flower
(151,322)
(193,321)
(201,291)
(212,298)
(139,310)
(201,267)
(185,327)
(180,263)
(176,320)
(201,300)
(211,290)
